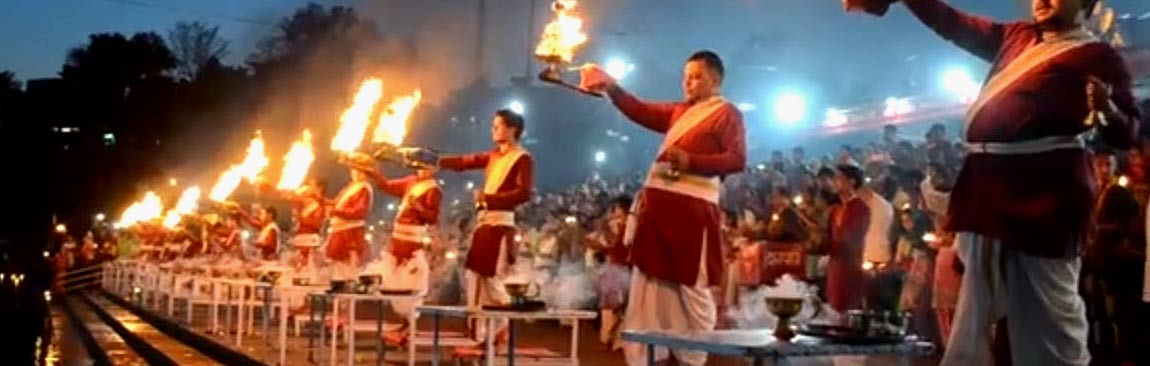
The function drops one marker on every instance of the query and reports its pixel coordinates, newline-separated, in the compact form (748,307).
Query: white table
(349,328)
(760,345)
(219,284)
(488,317)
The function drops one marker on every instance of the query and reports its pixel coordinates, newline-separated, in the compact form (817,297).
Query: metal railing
(81,278)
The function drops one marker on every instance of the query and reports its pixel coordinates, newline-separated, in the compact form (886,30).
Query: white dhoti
(1046,317)
(658,305)
(411,275)
(484,290)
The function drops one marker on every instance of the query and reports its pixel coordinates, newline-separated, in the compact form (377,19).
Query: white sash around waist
(338,224)
(413,233)
(306,240)
(697,186)
(496,218)
(1035,146)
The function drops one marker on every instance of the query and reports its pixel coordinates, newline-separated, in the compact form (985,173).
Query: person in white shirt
(877,245)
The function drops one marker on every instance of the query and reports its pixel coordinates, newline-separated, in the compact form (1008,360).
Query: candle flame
(392,126)
(186,205)
(354,121)
(563,35)
(297,162)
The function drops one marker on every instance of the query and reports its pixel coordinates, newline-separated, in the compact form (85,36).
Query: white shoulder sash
(690,119)
(1031,58)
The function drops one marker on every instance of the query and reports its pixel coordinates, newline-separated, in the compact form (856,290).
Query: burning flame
(354,121)
(186,205)
(150,207)
(255,162)
(392,125)
(250,169)
(562,36)
(297,162)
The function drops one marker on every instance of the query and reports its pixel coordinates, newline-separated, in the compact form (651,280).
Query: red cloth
(516,189)
(669,236)
(340,244)
(353,203)
(309,216)
(845,278)
(421,209)
(750,264)
(783,258)
(618,252)
(268,243)
(424,209)
(1039,203)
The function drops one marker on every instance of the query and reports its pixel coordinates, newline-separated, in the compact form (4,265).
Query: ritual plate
(526,306)
(399,292)
(847,335)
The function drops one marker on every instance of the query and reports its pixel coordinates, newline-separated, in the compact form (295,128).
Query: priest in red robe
(507,183)
(675,242)
(1022,201)
(267,241)
(310,212)
(346,240)
(403,265)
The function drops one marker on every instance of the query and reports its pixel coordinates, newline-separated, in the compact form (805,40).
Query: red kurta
(670,226)
(1037,203)
(268,241)
(348,222)
(515,189)
(419,207)
(309,216)
(845,278)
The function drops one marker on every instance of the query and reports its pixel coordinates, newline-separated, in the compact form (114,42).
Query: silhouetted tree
(114,60)
(194,44)
(8,82)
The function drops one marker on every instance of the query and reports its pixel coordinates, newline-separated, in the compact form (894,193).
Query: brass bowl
(784,309)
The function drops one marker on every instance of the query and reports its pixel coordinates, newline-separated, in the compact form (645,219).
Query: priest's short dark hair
(709,58)
(513,120)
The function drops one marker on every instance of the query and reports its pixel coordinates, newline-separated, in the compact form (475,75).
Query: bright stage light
(958,82)
(100,217)
(618,68)
(600,156)
(516,106)
(790,108)
(897,107)
(835,118)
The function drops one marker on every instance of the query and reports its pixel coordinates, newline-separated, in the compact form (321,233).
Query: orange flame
(250,169)
(354,121)
(392,125)
(186,205)
(297,162)
(255,162)
(148,208)
(563,35)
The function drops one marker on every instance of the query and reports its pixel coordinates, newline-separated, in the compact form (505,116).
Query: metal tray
(847,335)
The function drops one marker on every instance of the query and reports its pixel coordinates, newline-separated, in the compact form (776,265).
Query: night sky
(816,34)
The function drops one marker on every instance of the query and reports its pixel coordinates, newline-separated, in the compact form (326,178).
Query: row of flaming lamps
(561,39)
(390,129)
